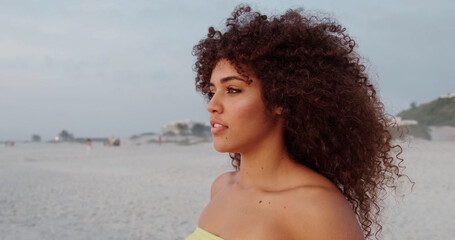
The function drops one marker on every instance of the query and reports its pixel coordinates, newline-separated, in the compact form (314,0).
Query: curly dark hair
(334,122)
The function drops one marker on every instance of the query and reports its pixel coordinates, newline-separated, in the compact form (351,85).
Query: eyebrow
(229,78)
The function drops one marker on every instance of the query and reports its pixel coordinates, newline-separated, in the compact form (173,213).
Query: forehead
(222,69)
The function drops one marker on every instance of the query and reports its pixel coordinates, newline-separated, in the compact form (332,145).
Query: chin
(224,147)
(220,148)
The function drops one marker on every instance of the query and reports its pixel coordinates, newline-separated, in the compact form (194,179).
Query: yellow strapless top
(201,234)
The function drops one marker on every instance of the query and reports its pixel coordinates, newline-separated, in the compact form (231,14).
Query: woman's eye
(233,90)
(210,95)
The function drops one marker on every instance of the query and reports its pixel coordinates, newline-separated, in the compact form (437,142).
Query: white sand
(429,211)
(63,191)
(445,133)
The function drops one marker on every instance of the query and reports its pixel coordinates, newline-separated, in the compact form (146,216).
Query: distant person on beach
(290,101)
(88,144)
(111,141)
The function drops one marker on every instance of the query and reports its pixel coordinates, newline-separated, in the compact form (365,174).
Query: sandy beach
(64,191)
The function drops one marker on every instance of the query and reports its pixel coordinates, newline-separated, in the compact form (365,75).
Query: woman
(307,134)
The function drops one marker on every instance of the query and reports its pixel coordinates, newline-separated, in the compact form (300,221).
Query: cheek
(249,114)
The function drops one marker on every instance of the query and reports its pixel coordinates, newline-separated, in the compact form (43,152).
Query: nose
(215,105)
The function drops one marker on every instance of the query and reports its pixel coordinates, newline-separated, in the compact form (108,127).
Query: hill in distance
(440,112)
(437,113)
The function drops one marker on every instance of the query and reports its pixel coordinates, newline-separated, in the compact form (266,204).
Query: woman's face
(237,111)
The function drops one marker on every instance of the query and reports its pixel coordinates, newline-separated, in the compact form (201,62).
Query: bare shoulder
(322,212)
(221,181)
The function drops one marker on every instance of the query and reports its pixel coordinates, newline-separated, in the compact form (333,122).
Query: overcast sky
(117,68)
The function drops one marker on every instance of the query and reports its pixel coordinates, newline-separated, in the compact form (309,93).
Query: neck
(264,166)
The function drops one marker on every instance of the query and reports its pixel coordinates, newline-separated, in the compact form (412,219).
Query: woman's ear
(278,110)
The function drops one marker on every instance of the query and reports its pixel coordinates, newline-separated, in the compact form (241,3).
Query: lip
(217,129)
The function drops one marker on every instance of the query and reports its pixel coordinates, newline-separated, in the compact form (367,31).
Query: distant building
(448,95)
(401,122)
(186,127)
(180,128)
